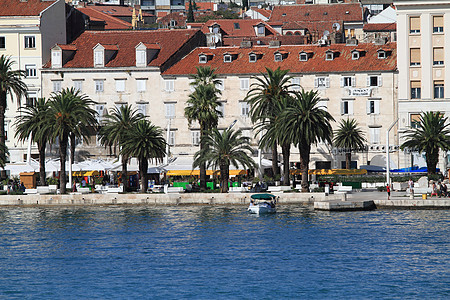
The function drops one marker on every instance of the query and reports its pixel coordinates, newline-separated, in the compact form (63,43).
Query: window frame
(252,57)
(355,55)
(3,42)
(30,42)
(439,88)
(169,110)
(78,84)
(56,86)
(278,57)
(141,82)
(227,58)
(303,56)
(31,71)
(99,85)
(169,85)
(244,109)
(202,59)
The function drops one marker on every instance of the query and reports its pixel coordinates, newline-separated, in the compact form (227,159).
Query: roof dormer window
(303,56)
(329,55)
(202,59)
(381,54)
(278,57)
(99,58)
(216,28)
(227,58)
(355,55)
(252,57)
(56,58)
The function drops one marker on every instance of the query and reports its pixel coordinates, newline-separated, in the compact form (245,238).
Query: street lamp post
(388,179)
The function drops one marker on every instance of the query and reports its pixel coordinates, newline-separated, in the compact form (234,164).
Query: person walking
(388,190)
(411,186)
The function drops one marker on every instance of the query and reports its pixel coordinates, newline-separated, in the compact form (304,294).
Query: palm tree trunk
(348,160)
(286,150)
(304,166)
(224,176)
(202,165)
(2,117)
(62,159)
(275,168)
(125,172)
(432,160)
(143,166)
(41,149)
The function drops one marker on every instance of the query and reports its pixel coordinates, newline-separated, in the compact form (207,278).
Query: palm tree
(205,75)
(3,155)
(10,83)
(268,89)
(70,113)
(350,137)
(306,124)
(202,107)
(225,149)
(117,124)
(431,135)
(32,122)
(145,142)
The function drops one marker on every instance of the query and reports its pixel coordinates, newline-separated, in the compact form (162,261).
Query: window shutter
(380,80)
(368,80)
(350,107)
(98,58)
(376,135)
(141,85)
(56,58)
(316,82)
(415,56)
(342,81)
(377,107)
(414,23)
(342,107)
(353,81)
(368,107)
(438,54)
(327,82)
(120,85)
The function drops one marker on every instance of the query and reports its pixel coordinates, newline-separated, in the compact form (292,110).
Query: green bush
(319,190)
(52,180)
(381,188)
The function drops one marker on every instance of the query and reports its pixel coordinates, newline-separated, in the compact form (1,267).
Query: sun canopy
(85,173)
(264,196)
(332,172)
(197,172)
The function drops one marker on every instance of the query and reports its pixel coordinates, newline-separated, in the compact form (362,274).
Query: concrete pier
(348,205)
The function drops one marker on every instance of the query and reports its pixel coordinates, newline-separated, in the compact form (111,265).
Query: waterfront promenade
(398,199)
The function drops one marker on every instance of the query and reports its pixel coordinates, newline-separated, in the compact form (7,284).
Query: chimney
(274,44)
(352,42)
(380,41)
(246,44)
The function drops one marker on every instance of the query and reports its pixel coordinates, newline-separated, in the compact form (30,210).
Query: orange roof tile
(125,42)
(351,12)
(265,12)
(117,10)
(316,64)
(201,5)
(67,47)
(21,8)
(111,22)
(380,27)
(245,28)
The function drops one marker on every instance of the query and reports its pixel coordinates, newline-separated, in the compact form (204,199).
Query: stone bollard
(344,197)
(411,196)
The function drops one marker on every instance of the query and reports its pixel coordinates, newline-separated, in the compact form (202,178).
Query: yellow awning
(331,172)
(85,173)
(197,172)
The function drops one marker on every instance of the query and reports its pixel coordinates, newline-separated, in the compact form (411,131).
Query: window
(373,107)
(415,57)
(438,56)
(119,105)
(347,81)
(221,108)
(78,85)
(141,85)
(252,58)
(355,55)
(414,25)
(278,57)
(99,108)
(295,83)
(57,86)
(323,104)
(142,108)
(322,82)
(169,85)
(237,26)
(2,42)
(245,108)
(169,110)
(30,70)
(98,58)
(414,120)
(438,24)
(141,57)
(347,107)
(261,29)
(99,85)
(227,58)
(220,85)
(244,84)
(31,99)
(439,89)
(216,29)
(56,59)
(329,56)
(374,135)
(30,42)
(381,54)
(415,90)
(6,130)
(195,137)
(120,85)
(374,80)
(303,57)
(202,59)
(171,140)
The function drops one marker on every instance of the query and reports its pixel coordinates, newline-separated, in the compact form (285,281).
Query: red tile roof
(67,47)
(170,42)
(180,18)
(351,12)
(111,22)
(265,12)
(316,64)
(380,27)
(245,27)
(264,40)
(118,11)
(23,8)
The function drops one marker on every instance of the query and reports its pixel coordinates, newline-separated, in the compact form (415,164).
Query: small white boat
(262,204)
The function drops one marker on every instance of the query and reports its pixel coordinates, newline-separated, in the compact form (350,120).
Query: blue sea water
(223,253)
